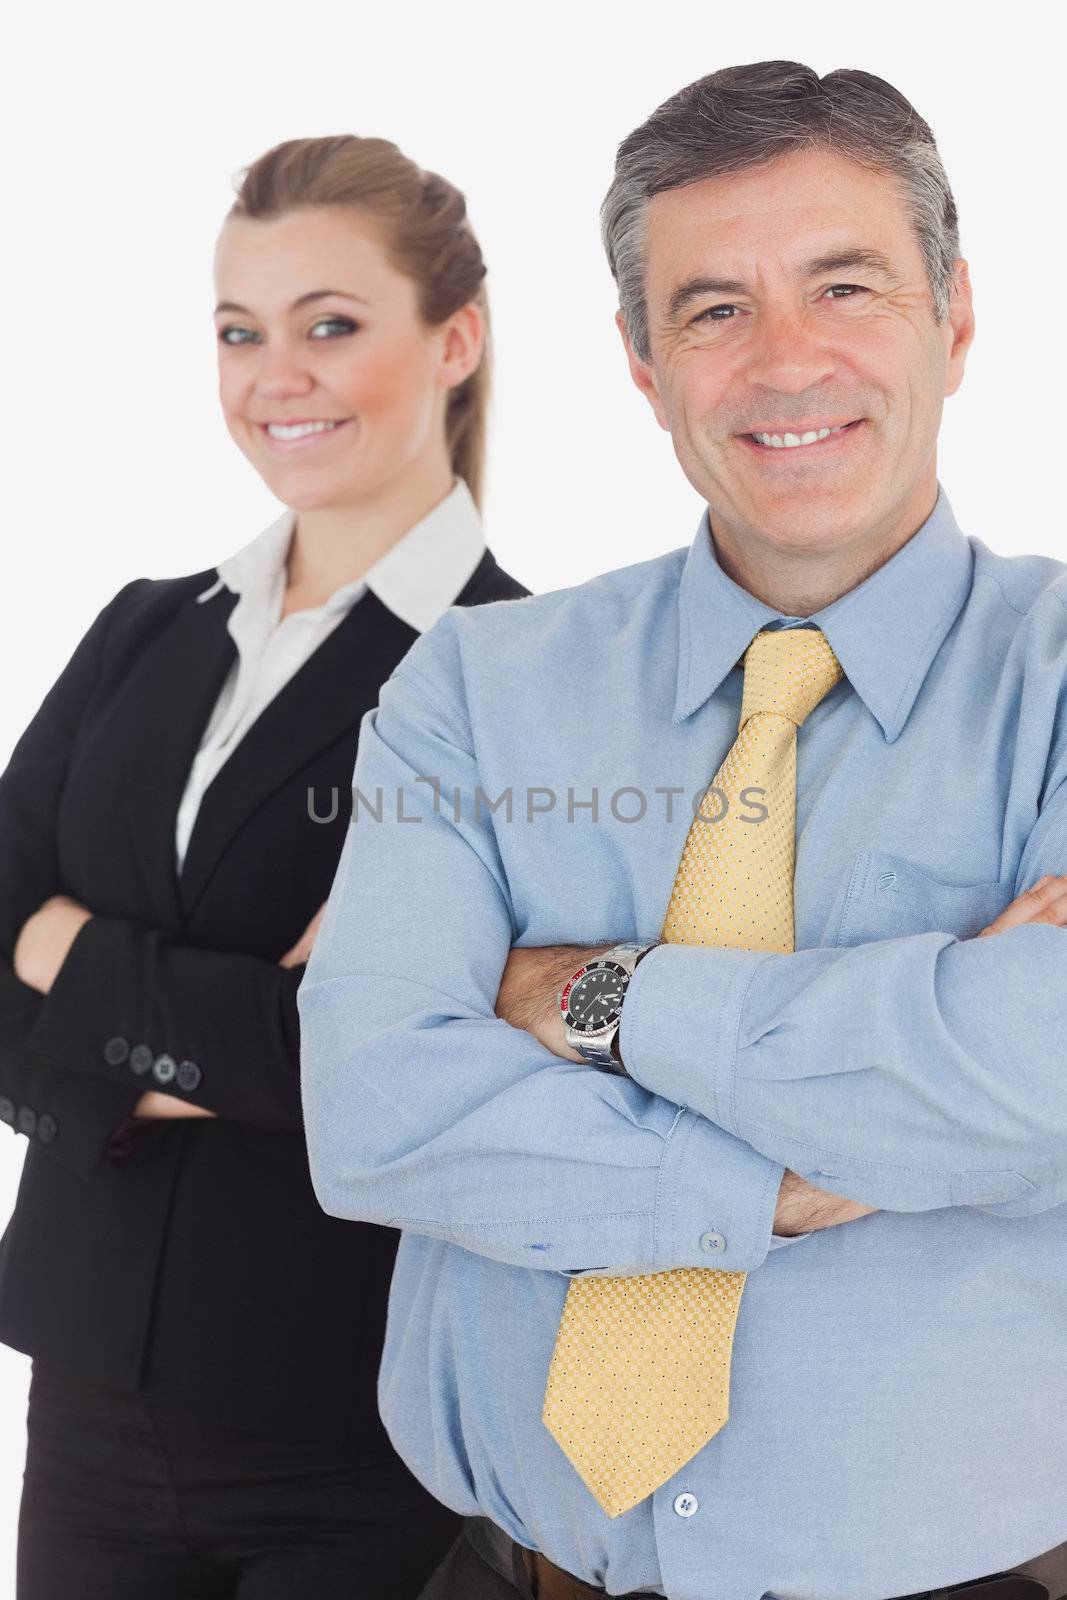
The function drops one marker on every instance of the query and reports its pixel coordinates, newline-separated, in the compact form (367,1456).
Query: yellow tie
(640,1375)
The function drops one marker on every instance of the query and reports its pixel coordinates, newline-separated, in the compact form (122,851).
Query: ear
(959,326)
(464,341)
(643,375)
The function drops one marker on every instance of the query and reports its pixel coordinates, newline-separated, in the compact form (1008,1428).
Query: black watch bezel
(587,1029)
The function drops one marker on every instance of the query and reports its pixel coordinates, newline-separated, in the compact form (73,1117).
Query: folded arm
(221,1027)
(529,998)
(425,1110)
(70,1114)
(909,1073)
(230,1016)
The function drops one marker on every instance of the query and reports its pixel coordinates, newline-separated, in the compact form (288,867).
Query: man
(821,1087)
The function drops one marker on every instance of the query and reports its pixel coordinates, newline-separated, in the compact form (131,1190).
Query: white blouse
(417,579)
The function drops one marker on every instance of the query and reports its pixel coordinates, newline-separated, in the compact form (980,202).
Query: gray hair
(749,116)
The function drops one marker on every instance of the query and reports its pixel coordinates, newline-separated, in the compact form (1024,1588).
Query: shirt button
(116,1050)
(140,1058)
(712,1242)
(164,1068)
(686,1505)
(189,1076)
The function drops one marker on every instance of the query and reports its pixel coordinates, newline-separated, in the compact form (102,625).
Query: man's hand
(529,998)
(1045,902)
(44,939)
(530,988)
(802,1208)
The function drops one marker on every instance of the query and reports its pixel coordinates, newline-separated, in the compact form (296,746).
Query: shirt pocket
(889,896)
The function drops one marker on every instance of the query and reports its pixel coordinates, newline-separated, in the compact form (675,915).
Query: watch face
(595,999)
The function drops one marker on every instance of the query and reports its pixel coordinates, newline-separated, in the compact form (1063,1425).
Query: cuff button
(47,1128)
(7,1109)
(116,1050)
(712,1242)
(140,1059)
(189,1076)
(163,1068)
(27,1120)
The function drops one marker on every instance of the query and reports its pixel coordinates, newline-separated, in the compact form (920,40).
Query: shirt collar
(885,632)
(418,578)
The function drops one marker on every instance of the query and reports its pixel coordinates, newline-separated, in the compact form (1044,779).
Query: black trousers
(127,1500)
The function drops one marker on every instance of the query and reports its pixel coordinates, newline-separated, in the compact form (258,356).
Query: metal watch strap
(600,1055)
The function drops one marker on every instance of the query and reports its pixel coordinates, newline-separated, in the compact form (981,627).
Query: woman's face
(316,327)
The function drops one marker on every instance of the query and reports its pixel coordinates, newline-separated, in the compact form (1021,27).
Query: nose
(786,353)
(280,371)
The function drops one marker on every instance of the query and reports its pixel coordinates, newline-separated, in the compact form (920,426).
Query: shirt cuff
(679,1025)
(717,1199)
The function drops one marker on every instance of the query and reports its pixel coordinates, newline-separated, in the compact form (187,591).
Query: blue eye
(343,323)
(336,322)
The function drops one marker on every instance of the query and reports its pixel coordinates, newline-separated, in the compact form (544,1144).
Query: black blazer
(187,1258)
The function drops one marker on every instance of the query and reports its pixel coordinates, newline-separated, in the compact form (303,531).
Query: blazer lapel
(327,695)
(156,722)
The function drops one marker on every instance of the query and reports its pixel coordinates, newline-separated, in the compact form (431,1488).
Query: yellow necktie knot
(788,671)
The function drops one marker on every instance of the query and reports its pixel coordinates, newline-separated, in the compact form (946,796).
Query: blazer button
(140,1058)
(27,1119)
(7,1109)
(116,1050)
(189,1076)
(164,1068)
(47,1128)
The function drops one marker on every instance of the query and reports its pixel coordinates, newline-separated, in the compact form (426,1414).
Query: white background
(123,127)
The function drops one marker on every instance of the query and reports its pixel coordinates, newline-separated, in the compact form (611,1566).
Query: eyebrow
(838,261)
(314,294)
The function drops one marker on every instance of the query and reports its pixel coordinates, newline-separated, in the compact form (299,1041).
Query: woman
(202,1416)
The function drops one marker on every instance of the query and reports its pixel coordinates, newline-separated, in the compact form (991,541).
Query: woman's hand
(45,938)
(40,951)
(1045,902)
(302,948)
(153,1104)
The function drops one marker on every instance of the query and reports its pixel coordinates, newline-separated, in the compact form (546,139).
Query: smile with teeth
(298,430)
(791,441)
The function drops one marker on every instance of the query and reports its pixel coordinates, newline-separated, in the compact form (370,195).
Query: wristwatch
(591,1003)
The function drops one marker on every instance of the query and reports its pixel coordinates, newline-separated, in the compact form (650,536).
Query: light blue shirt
(899,1383)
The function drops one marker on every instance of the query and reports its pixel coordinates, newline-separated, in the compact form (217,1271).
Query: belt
(549,1582)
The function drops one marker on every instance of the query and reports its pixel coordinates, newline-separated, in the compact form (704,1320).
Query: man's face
(747,336)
